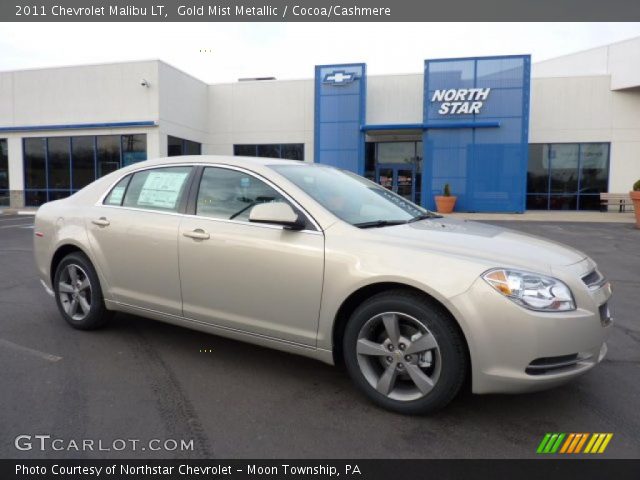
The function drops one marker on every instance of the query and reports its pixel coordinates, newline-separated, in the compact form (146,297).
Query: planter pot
(445,204)
(635,197)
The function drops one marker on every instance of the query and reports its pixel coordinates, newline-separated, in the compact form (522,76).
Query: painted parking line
(18,225)
(29,351)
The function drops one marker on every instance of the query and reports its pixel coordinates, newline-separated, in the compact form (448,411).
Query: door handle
(197,234)
(101,222)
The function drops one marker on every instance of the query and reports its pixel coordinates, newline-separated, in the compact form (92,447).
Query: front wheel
(405,353)
(78,294)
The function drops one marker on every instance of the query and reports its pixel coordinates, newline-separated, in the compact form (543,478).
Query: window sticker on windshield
(245,182)
(161,189)
(116,195)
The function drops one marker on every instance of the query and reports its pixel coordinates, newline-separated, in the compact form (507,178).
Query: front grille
(594,279)
(541,366)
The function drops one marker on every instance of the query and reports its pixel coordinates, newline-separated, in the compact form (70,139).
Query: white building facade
(551,135)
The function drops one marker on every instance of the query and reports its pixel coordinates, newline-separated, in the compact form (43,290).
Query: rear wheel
(405,353)
(78,293)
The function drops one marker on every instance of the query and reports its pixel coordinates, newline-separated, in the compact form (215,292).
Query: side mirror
(277,213)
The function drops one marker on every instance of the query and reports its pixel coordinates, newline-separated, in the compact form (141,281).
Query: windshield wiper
(379,223)
(424,216)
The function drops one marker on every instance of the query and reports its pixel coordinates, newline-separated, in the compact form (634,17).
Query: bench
(620,200)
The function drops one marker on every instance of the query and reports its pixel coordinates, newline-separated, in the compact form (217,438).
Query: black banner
(316,10)
(548,469)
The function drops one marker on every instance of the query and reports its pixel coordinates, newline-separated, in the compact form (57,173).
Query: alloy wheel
(74,292)
(398,356)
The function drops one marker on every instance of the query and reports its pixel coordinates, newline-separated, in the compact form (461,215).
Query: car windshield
(352,198)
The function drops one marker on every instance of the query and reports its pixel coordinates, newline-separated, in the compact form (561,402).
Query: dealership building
(505,134)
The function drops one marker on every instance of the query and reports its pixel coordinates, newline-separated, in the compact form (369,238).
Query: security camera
(144,83)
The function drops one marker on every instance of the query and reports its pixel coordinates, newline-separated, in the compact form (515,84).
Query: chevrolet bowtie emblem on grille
(339,77)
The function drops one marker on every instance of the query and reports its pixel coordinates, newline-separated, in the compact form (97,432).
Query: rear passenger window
(117,193)
(230,194)
(157,189)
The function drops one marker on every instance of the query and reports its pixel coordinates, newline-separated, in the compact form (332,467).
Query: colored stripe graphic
(573,443)
(556,445)
(567,442)
(583,439)
(543,443)
(598,442)
(550,443)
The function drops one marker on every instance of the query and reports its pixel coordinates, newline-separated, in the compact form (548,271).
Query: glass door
(398,178)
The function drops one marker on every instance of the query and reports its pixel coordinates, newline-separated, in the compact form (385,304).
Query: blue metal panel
(340,104)
(427,126)
(486,167)
(77,126)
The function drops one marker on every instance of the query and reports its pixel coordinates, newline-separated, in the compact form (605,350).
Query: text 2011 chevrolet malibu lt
(320,262)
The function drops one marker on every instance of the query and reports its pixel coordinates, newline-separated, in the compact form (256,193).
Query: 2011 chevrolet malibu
(320,262)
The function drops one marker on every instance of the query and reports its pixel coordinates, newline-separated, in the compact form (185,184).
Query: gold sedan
(320,262)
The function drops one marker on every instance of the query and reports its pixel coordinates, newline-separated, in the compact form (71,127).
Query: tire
(415,364)
(78,293)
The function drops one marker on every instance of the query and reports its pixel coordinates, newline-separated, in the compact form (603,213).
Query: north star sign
(459,101)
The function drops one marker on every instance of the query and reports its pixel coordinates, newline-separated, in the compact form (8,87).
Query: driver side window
(230,194)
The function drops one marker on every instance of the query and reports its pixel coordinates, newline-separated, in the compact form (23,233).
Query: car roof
(218,159)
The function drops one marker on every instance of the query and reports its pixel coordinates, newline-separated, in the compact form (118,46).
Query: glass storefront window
(269,151)
(35,168)
(59,163)
(83,161)
(179,146)
(593,167)
(396,152)
(370,161)
(567,176)
(538,173)
(54,167)
(134,149)
(34,198)
(108,148)
(292,151)
(174,146)
(564,167)
(245,150)
(289,151)
(4,173)
(192,148)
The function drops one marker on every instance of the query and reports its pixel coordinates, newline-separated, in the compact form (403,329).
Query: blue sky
(224,52)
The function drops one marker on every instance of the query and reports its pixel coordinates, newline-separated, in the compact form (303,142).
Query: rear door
(133,235)
(252,277)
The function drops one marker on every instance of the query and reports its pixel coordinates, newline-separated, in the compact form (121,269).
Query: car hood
(500,246)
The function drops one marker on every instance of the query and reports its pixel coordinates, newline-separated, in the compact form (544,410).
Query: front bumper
(506,340)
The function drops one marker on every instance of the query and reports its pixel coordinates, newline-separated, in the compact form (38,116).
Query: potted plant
(446,201)
(635,197)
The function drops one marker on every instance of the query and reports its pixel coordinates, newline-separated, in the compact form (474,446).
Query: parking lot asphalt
(142,380)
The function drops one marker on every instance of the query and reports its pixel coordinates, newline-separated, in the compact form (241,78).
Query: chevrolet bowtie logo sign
(339,77)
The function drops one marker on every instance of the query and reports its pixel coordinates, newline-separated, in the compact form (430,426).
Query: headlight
(531,290)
